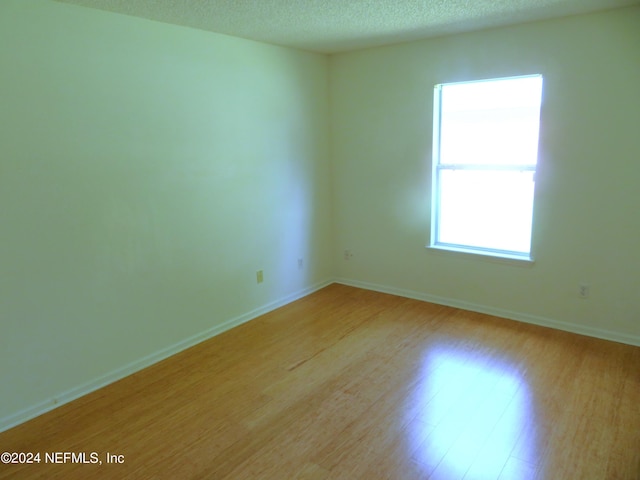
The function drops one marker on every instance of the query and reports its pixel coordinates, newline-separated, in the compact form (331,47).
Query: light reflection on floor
(470,417)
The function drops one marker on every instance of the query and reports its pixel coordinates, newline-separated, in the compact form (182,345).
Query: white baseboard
(498,312)
(115,375)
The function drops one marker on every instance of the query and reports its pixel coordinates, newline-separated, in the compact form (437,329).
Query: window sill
(493,257)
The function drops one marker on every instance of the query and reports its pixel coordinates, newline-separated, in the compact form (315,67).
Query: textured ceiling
(339,25)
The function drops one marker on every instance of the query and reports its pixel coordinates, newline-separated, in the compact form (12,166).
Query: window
(485,149)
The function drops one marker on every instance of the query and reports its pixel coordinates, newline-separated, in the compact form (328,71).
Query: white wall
(147,171)
(587,212)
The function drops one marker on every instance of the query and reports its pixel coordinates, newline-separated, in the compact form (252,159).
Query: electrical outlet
(259,276)
(348,254)
(300,263)
(583,290)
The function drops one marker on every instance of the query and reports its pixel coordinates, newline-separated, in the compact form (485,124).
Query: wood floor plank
(494,454)
(311,471)
(516,469)
(353,384)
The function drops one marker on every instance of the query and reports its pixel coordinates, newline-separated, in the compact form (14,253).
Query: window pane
(490,122)
(487,209)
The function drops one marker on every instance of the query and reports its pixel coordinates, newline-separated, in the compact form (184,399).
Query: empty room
(283,239)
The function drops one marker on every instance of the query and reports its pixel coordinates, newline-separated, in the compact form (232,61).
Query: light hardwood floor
(352,384)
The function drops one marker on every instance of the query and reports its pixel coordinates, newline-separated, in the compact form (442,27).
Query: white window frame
(437,168)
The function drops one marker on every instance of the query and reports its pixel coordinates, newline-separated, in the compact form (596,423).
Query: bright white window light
(485,149)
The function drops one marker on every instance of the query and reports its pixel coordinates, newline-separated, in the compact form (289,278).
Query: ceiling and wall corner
(331,26)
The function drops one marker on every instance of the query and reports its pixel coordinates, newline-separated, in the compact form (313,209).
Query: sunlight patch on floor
(470,413)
